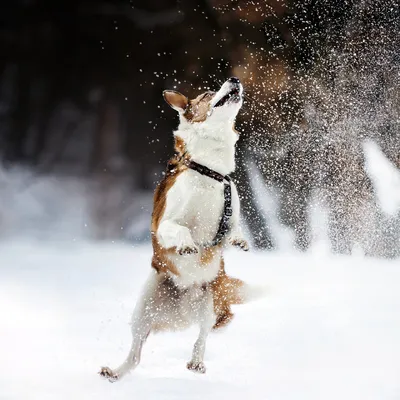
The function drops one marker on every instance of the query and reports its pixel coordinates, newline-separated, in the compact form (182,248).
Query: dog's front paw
(187,250)
(109,374)
(199,367)
(240,243)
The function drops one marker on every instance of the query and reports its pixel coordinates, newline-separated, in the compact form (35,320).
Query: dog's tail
(228,291)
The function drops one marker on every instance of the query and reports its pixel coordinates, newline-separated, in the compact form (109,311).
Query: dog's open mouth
(232,97)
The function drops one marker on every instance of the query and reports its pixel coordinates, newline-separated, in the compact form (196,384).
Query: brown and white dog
(195,215)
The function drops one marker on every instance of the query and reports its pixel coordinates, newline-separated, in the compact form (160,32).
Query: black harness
(224,226)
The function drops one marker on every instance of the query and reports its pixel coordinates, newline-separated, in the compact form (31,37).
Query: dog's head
(209,107)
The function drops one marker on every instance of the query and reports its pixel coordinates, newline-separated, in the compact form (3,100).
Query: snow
(329,328)
(385,177)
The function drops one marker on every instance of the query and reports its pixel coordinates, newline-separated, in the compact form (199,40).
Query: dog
(195,216)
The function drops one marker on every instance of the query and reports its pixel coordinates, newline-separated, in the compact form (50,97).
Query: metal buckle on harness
(228,211)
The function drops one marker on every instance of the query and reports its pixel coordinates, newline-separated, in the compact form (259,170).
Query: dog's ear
(176,100)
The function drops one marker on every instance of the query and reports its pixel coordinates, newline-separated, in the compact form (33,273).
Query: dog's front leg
(207,321)
(235,237)
(142,321)
(173,235)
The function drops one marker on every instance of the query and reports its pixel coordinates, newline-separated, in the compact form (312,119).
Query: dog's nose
(234,80)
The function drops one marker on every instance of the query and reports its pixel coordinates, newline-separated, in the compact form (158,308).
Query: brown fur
(198,108)
(180,147)
(226,291)
(175,99)
(208,254)
(160,261)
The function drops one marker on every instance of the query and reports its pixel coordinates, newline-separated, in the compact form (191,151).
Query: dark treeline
(81,83)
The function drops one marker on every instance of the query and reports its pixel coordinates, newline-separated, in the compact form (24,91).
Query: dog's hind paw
(108,373)
(199,367)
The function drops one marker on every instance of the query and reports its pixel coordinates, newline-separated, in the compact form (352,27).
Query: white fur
(212,142)
(191,217)
(196,200)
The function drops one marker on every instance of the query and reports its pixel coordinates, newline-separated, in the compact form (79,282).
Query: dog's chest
(204,205)
(196,202)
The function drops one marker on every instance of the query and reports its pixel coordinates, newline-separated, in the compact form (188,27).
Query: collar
(203,170)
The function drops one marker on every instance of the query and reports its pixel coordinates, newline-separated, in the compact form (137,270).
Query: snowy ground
(328,329)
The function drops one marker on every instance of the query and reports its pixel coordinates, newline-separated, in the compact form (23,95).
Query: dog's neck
(211,146)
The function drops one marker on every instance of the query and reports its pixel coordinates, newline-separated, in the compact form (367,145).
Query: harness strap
(224,226)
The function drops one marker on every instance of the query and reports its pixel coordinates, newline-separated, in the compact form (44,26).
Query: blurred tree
(81,82)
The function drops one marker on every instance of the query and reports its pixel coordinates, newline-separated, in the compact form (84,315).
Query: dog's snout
(234,80)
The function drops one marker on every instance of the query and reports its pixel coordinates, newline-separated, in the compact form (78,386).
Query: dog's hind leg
(142,321)
(207,320)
